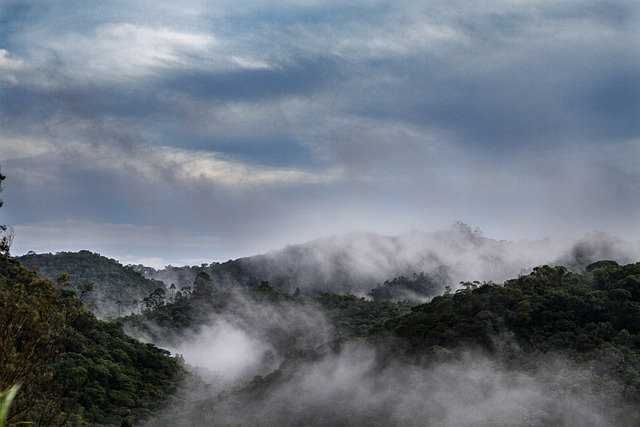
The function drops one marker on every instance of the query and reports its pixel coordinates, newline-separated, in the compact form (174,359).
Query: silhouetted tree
(6,232)
(203,286)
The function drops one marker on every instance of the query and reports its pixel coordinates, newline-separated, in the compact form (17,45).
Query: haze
(191,131)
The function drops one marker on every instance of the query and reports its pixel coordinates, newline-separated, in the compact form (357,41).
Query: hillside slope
(117,290)
(358,262)
(548,348)
(72,368)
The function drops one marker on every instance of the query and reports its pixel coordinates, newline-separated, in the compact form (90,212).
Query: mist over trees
(357,263)
(354,330)
(551,347)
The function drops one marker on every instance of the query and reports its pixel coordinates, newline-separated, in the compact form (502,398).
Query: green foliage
(592,319)
(73,369)
(354,317)
(414,289)
(6,398)
(203,287)
(156,299)
(91,372)
(104,285)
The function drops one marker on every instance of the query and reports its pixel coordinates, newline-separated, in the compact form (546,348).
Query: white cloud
(131,50)
(194,166)
(22,147)
(156,163)
(9,67)
(250,63)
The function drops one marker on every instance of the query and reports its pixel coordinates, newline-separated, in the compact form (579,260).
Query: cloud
(357,386)
(125,50)
(244,337)
(9,66)
(223,353)
(280,121)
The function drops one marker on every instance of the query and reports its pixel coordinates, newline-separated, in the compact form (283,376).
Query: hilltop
(356,263)
(109,289)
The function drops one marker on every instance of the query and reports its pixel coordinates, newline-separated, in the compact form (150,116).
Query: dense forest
(548,348)
(73,369)
(103,284)
(551,347)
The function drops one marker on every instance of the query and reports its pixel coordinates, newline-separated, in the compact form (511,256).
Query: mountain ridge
(360,261)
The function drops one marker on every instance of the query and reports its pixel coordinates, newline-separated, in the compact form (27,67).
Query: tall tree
(6,232)
(203,286)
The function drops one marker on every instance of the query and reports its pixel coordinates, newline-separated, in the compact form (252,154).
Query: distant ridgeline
(105,286)
(412,287)
(423,264)
(412,267)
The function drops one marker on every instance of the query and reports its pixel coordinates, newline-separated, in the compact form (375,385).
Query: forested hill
(548,348)
(358,262)
(70,368)
(109,289)
(414,266)
(551,347)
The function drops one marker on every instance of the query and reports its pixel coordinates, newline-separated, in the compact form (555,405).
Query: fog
(280,364)
(353,262)
(357,262)
(244,338)
(357,385)
(223,352)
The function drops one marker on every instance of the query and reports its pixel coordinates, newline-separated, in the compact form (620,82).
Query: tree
(6,232)
(71,368)
(155,299)
(33,319)
(203,286)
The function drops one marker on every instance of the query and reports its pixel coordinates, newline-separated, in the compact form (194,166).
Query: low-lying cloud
(244,338)
(357,262)
(354,387)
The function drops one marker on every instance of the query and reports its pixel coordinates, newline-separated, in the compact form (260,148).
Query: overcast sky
(179,131)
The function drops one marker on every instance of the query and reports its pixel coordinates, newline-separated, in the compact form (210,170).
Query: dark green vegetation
(547,310)
(115,290)
(547,348)
(72,368)
(410,290)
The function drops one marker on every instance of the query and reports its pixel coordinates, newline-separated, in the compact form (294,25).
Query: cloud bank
(262,125)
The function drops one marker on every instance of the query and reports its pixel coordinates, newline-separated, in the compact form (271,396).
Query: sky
(177,132)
